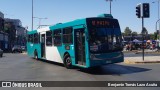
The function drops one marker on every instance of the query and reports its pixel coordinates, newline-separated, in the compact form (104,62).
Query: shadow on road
(50,62)
(114,69)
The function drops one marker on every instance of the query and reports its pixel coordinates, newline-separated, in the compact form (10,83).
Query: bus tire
(35,55)
(67,61)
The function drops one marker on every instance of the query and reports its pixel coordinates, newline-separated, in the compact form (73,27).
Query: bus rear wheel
(67,62)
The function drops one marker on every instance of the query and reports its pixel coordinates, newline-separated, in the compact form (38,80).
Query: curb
(139,62)
(148,62)
(24,53)
(128,62)
(147,52)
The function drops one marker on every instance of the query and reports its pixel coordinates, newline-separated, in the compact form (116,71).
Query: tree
(127,31)
(134,33)
(144,31)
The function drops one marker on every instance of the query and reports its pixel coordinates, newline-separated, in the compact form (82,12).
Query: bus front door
(80,47)
(43,45)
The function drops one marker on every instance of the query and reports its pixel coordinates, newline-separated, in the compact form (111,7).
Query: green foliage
(134,33)
(144,31)
(127,31)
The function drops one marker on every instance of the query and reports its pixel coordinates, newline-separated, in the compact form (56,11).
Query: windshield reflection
(104,40)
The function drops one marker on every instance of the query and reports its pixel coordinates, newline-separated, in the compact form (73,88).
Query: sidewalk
(150,56)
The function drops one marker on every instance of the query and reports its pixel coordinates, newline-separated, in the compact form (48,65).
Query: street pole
(142,38)
(110,7)
(158,9)
(158,15)
(32,14)
(156,24)
(157,33)
(110,2)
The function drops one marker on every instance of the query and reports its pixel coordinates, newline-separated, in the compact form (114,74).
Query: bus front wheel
(67,61)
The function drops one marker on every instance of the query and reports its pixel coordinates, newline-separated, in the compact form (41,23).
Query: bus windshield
(105,40)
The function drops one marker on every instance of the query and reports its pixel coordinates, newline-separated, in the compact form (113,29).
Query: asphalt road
(20,67)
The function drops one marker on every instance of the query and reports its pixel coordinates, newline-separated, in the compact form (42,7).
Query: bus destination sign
(100,23)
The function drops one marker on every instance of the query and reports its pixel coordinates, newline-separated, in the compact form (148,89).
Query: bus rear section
(105,41)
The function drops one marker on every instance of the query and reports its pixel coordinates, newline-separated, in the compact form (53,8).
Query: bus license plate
(108,62)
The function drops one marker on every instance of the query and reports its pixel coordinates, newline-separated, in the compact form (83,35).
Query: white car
(1,52)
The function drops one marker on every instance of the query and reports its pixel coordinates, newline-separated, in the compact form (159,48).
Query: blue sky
(60,11)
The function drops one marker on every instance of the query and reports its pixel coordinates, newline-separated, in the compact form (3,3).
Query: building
(3,35)
(1,22)
(20,32)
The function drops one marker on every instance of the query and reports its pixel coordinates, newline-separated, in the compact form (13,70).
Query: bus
(84,43)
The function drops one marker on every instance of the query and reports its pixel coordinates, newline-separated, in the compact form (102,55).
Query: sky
(61,11)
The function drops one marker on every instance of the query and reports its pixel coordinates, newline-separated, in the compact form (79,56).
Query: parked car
(1,52)
(23,48)
(17,48)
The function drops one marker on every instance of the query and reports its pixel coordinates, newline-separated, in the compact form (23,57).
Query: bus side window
(67,35)
(32,38)
(57,38)
(49,38)
(36,38)
(28,38)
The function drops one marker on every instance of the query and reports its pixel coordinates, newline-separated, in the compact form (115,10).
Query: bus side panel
(53,54)
(32,47)
(62,50)
(70,51)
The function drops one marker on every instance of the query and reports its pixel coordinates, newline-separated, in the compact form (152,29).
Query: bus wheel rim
(68,61)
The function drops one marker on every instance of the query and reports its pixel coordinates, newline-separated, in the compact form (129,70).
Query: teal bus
(85,43)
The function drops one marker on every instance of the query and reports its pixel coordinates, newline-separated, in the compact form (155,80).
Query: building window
(57,37)
(67,35)
(49,38)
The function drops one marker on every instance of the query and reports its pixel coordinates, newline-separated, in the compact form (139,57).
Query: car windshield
(105,40)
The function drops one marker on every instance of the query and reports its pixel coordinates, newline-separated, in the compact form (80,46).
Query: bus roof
(32,32)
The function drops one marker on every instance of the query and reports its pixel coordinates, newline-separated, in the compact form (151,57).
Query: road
(20,67)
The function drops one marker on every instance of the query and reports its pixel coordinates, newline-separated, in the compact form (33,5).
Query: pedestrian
(130,47)
(127,47)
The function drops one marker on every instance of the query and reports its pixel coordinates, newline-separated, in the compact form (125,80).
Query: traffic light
(146,10)
(138,11)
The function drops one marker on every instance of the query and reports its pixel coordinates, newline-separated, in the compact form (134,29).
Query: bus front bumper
(104,59)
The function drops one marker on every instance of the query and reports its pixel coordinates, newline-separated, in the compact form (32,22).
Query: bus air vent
(105,16)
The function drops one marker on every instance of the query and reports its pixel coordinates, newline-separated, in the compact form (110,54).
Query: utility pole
(143,11)
(32,13)
(157,22)
(110,2)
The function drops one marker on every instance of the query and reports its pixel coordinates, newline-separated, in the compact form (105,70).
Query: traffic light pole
(143,11)
(142,38)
